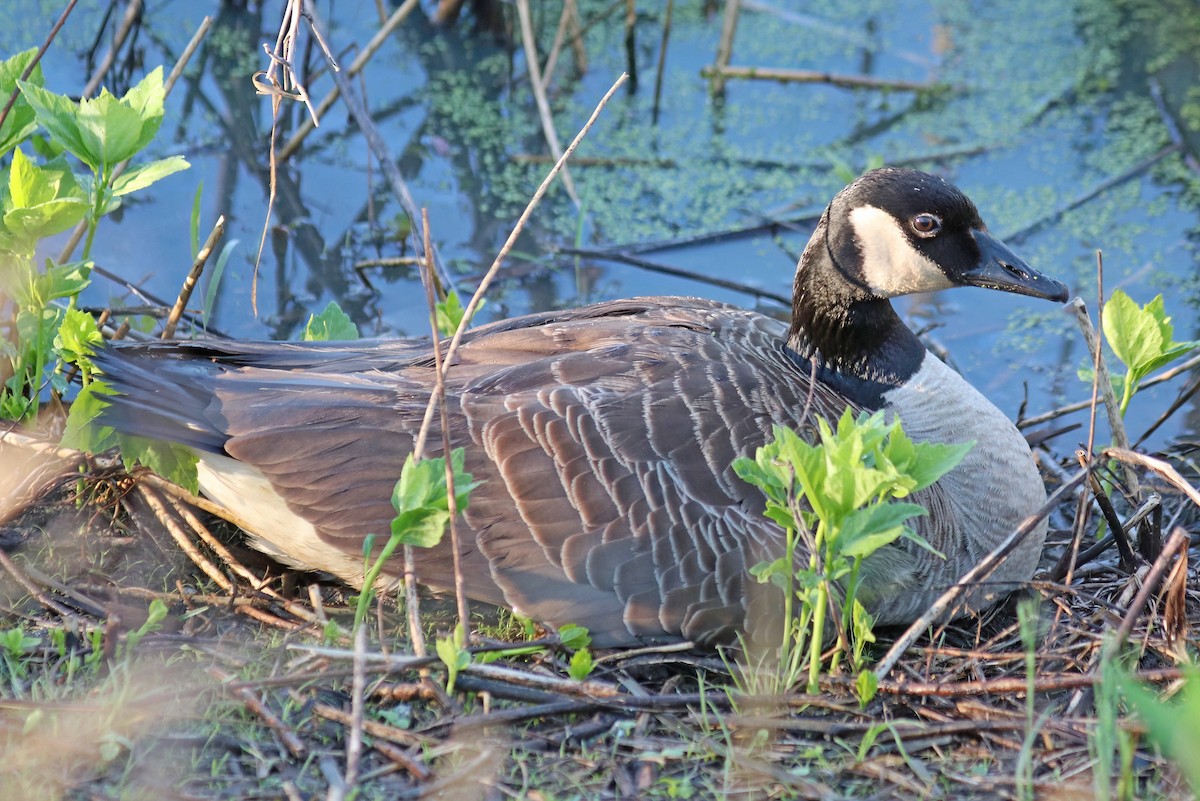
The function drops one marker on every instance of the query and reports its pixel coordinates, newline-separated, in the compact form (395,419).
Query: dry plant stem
(387,162)
(1128,559)
(181,538)
(577,31)
(725,45)
(287,736)
(36,592)
(237,568)
(193,276)
(662,62)
(132,12)
(813,76)
(180,65)
(666,269)
(373,728)
(488,277)
(358,690)
(1165,375)
(16,92)
(402,759)
(539,94)
(1115,422)
(382,35)
(985,567)
(1000,686)
(460,591)
(556,47)
(1164,469)
(1176,546)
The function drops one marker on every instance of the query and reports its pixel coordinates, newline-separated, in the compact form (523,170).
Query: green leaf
(77,338)
(330,324)
(109,129)
(574,637)
(449,313)
(866,686)
(934,459)
(57,114)
(453,655)
(146,174)
(40,202)
(176,463)
(866,530)
(21,121)
(581,665)
(1142,338)
(421,499)
(82,431)
(146,98)
(1173,727)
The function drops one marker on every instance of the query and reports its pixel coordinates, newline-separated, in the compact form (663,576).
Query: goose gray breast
(604,436)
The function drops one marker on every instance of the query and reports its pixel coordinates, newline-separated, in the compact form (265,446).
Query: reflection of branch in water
(666,269)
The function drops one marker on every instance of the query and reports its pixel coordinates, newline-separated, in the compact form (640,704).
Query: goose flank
(604,436)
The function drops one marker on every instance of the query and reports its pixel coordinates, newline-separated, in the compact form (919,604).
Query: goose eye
(926,224)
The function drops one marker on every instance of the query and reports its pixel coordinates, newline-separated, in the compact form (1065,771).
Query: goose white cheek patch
(891,266)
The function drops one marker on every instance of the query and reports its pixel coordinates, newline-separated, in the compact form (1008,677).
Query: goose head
(894,232)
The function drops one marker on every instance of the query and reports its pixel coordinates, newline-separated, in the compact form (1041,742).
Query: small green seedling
(449,313)
(836,502)
(331,324)
(1142,337)
(421,499)
(453,652)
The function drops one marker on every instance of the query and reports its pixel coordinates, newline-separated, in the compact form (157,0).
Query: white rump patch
(277,530)
(891,266)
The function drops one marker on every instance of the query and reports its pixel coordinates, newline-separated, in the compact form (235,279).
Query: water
(1042,104)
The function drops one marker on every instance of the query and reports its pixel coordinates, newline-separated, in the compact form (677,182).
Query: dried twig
(725,46)
(189,283)
(132,11)
(16,92)
(814,76)
(539,94)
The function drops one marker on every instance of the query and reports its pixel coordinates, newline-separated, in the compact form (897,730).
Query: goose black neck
(855,338)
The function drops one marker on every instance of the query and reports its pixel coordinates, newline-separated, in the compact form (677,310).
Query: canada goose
(604,435)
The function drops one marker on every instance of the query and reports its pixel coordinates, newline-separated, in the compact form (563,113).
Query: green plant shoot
(421,499)
(331,324)
(838,495)
(1142,337)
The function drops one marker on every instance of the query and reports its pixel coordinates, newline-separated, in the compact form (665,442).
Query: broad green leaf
(21,121)
(865,686)
(574,637)
(1142,338)
(331,324)
(421,499)
(40,201)
(83,430)
(866,530)
(109,129)
(173,462)
(934,460)
(57,114)
(146,98)
(62,281)
(146,174)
